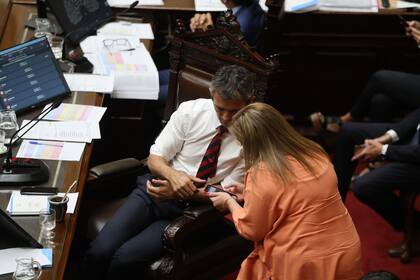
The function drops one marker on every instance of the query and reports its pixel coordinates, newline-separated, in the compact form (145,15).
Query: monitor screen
(30,76)
(12,235)
(79,18)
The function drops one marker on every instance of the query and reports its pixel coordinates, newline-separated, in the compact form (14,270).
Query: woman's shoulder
(319,165)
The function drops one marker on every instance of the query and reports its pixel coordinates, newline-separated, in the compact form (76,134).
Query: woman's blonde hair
(266,136)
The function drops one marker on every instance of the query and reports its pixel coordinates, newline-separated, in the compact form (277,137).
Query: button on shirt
(186,136)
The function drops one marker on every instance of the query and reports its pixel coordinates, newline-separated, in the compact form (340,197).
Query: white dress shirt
(185,138)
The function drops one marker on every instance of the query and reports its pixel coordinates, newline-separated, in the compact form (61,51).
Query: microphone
(25,171)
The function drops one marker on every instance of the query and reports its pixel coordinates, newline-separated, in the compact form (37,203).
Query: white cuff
(393,134)
(384,149)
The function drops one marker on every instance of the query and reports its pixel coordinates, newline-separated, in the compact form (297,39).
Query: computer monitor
(13,235)
(79,18)
(30,76)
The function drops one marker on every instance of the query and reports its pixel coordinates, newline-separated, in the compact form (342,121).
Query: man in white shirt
(132,238)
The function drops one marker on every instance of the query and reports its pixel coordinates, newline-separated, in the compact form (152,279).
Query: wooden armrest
(195,217)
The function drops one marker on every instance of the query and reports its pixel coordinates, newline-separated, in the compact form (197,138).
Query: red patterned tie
(208,165)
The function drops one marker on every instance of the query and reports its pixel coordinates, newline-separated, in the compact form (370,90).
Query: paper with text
(140,30)
(75,112)
(90,82)
(73,131)
(51,150)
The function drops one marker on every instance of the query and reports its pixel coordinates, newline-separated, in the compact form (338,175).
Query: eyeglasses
(120,44)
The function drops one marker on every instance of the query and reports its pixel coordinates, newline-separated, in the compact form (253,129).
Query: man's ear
(252,99)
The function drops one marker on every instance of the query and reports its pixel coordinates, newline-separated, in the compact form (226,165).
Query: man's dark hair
(233,82)
(380,275)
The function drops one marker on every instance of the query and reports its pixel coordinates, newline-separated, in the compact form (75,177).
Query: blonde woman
(293,211)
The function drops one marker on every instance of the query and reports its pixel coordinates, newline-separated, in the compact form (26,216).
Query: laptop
(14,235)
(30,76)
(80,18)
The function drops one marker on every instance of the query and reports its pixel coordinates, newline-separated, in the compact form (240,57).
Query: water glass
(42,27)
(47,223)
(8,123)
(56,44)
(3,147)
(27,269)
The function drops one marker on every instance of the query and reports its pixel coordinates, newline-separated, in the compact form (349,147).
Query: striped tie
(208,165)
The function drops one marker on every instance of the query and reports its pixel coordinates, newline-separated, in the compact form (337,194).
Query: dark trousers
(385,92)
(132,238)
(376,187)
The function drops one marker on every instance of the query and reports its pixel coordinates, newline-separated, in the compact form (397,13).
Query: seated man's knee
(360,189)
(380,100)
(380,75)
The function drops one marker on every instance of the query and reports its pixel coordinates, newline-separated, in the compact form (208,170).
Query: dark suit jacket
(251,21)
(405,130)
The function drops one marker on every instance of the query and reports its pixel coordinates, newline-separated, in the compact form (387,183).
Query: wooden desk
(62,173)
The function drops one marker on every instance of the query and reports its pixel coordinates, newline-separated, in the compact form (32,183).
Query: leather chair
(201,244)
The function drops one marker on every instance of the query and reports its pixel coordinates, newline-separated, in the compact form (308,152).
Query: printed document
(90,82)
(128,61)
(8,257)
(51,150)
(209,6)
(125,28)
(20,204)
(75,112)
(126,3)
(331,5)
(73,131)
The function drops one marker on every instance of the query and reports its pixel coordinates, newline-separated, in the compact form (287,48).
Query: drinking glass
(27,269)
(56,44)
(8,123)
(47,223)
(3,147)
(42,27)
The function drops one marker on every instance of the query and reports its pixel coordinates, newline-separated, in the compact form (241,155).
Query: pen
(45,144)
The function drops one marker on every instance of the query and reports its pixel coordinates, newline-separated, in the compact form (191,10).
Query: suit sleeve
(403,153)
(407,127)
(261,194)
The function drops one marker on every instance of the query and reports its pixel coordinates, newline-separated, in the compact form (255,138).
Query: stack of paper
(125,28)
(65,125)
(217,5)
(128,61)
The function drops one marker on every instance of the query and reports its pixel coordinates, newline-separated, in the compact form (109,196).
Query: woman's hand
(220,200)
(236,190)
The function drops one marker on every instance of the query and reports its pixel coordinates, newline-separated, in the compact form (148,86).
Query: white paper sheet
(297,5)
(32,204)
(73,131)
(8,257)
(135,73)
(90,82)
(209,6)
(126,3)
(75,112)
(404,5)
(125,28)
(51,150)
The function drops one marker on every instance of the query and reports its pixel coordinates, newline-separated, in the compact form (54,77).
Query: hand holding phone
(213,188)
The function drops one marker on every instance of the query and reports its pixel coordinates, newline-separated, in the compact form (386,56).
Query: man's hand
(183,184)
(220,199)
(371,150)
(201,21)
(413,30)
(160,189)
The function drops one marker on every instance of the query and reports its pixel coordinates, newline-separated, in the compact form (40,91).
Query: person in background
(385,94)
(193,147)
(293,211)
(250,17)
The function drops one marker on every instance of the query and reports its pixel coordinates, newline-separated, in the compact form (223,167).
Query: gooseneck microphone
(25,171)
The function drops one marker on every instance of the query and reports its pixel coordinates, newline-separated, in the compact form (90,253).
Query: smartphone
(38,191)
(212,188)
(403,21)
